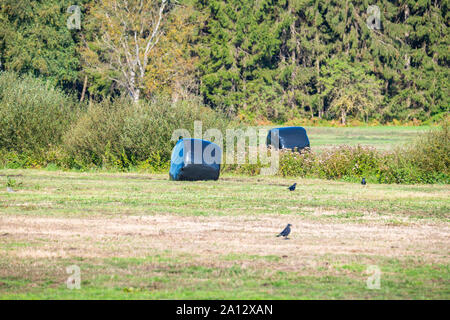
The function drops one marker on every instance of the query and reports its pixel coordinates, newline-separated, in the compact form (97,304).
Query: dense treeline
(258,59)
(319,58)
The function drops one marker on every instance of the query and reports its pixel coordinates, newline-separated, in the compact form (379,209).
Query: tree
(171,67)
(34,39)
(255,58)
(238,55)
(266,58)
(128,31)
(349,89)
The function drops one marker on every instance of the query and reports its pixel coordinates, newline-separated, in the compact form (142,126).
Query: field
(136,235)
(91,112)
(380,137)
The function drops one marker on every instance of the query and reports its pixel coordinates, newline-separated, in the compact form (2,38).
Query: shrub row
(425,161)
(33,114)
(41,126)
(124,134)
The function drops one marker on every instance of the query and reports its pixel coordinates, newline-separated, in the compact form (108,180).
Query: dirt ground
(207,237)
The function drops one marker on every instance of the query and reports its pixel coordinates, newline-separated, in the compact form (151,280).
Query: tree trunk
(136,94)
(293,63)
(319,107)
(84,89)
(343,116)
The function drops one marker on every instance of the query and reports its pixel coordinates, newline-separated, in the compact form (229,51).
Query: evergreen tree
(34,38)
(277,59)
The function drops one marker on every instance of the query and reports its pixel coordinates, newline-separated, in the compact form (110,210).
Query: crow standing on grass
(292,188)
(285,232)
(363,182)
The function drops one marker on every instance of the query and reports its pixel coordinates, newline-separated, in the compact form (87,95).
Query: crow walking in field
(363,182)
(292,188)
(285,231)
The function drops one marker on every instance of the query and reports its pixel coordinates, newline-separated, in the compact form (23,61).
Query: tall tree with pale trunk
(128,32)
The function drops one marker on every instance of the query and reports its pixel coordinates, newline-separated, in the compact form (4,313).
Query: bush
(33,115)
(122,134)
(339,162)
(425,161)
(41,126)
(431,151)
(300,164)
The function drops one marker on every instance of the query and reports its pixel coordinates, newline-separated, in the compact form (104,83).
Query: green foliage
(33,114)
(283,59)
(155,163)
(431,151)
(348,161)
(12,183)
(349,89)
(259,59)
(40,126)
(340,162)
(123,134)
(297,164)
(426,161)
(15,160)
(34,39)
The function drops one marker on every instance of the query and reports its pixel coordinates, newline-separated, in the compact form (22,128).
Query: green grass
(380,137)
(103,193)
(168,279)
(108,194)
(135,265)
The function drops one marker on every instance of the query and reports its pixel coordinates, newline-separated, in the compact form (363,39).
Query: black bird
(363,182)
(285,231)
(292,188)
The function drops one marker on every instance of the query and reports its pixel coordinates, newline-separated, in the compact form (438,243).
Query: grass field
(381,137)
(137,236)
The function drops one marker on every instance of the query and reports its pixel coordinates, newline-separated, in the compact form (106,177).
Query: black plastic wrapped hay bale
(288,138)
(195,159)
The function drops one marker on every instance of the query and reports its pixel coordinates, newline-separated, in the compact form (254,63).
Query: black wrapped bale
(195,159)
(288,138)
